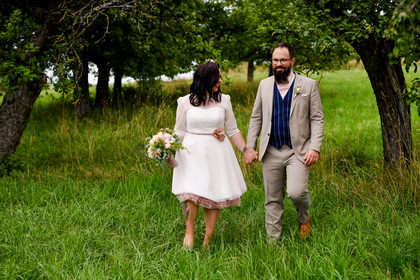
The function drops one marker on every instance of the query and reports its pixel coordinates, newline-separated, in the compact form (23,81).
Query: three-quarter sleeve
(180,126)
(230,121)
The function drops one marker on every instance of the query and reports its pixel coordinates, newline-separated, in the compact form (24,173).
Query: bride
(208,173)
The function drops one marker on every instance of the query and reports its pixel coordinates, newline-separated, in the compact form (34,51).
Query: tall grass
(84,202)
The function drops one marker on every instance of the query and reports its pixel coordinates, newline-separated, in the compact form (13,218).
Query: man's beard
(281,76)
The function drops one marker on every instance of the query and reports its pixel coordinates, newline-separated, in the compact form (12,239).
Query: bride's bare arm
(238,140)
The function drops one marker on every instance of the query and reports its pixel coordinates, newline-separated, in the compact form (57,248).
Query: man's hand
(250,155)
(311,157)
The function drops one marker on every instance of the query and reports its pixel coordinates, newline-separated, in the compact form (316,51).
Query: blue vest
(280,132)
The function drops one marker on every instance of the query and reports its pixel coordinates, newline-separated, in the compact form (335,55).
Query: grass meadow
(84,202)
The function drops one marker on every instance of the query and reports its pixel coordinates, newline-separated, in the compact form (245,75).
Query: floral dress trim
(207,203)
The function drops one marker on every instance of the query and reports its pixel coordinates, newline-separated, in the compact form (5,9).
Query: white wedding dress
(208,172)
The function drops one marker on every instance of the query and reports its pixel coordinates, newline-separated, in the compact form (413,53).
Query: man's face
(281,63)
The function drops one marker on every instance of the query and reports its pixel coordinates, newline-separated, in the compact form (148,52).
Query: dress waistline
(217,133)
(198,133)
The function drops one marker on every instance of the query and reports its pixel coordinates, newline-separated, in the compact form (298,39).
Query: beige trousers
(281,169)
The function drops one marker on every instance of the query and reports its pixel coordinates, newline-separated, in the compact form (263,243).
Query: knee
(298,196)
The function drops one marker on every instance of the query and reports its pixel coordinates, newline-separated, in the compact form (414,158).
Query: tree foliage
(368,27)
(249,30)
(40,34)
(18,58)
(404,29)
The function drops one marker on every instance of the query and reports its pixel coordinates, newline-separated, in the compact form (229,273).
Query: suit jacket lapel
(297,85)
(270,96)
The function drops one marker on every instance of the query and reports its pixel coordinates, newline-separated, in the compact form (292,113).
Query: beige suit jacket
(306,117)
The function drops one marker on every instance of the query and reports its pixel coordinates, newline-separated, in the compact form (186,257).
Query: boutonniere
(297,90)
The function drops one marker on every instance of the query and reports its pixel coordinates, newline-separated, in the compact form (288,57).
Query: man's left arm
(316,119)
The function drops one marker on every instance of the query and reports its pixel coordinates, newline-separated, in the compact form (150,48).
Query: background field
(84,202)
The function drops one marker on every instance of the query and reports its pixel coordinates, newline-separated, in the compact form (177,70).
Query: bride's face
(217,85)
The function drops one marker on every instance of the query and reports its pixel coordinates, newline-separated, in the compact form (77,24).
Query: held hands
(250,155)
(311,157)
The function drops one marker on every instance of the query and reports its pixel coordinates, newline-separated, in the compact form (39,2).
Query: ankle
(188,241)
(207,239)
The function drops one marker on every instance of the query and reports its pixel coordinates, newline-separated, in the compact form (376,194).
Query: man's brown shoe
(305,229)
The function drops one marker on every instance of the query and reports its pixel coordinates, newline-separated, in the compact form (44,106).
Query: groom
(288,118)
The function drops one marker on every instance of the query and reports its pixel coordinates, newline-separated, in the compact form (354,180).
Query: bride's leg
(190,214)
(210,218)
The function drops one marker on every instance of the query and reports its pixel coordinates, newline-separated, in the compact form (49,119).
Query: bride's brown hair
(205,77)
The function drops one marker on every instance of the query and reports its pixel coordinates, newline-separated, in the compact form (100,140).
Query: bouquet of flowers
(162,146)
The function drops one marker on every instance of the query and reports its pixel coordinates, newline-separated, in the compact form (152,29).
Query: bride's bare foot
(188,242)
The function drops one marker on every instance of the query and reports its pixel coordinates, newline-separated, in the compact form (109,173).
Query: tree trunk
(83,108)
(102,87)
(21,96)
(14,114)
(388,83)
(118,74)
(251,69)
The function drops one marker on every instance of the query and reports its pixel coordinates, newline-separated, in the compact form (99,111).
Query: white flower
(150,153)
(297,90)
(167,137)
(157,152)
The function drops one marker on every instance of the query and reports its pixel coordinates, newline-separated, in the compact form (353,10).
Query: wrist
(244,149)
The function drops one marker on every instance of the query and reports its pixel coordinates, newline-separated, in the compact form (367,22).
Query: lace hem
(207,203)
